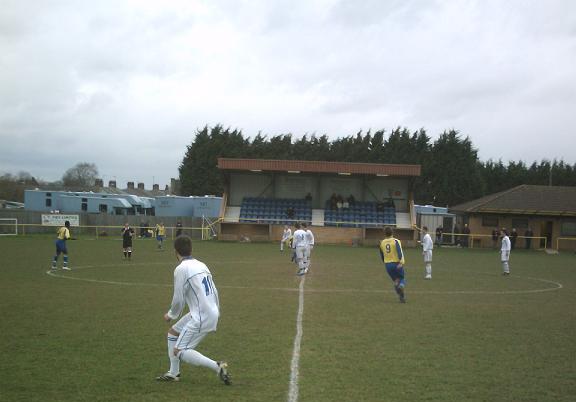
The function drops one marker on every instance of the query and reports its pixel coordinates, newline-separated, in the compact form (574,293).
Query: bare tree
(83,174)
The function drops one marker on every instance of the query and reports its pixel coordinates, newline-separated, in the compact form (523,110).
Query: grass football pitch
(96,333)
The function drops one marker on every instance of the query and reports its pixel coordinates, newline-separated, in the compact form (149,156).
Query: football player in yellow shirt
(393,258)
(63,234)
(160,234)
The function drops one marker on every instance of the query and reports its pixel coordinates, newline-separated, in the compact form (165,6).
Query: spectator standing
(466,237)
(456,231)
(439,235)
(495,236)
(528,235)
(513,237)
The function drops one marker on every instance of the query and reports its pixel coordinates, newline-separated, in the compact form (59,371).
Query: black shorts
(126,243)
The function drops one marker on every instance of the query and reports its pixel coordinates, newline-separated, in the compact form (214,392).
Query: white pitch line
(105,282)
(555,285)
(295,365)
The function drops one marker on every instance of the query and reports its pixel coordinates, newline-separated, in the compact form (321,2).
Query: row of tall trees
(451,170)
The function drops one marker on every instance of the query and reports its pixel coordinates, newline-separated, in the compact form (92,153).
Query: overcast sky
(125,84)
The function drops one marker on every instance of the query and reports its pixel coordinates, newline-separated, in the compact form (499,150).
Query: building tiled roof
(318,167)
(525,199)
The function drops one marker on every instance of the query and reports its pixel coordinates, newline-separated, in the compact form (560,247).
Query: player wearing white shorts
(505,252)
(309,246)
(286,235)
(427,246)
(299,245)
(193,286)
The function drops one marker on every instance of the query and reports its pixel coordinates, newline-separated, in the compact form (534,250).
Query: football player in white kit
(505,252)
(309,246)
(193,286)
(427,246)
(286,234)
(299,245)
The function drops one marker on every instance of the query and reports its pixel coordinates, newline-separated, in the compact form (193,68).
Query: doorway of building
(448,226)
(546,229)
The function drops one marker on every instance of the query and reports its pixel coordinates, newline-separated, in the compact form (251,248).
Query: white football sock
(506,267)
(174,361)
(428,269)
(195,358)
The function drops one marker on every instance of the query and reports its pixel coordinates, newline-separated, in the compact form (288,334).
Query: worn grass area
(96,333)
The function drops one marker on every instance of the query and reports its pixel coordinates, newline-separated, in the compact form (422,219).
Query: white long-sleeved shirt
(193,285)
(299,239)
(310,237)
(286,234)
(506,246)
(427,244)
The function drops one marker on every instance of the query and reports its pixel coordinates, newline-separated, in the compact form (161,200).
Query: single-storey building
(548,212)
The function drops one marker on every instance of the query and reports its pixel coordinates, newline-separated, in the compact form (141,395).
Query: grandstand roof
(294,166)
(525,200)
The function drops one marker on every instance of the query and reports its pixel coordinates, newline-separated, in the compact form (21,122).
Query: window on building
(490,221)
(84,199)
(103,208)
(48,202)
(520,223)
(568,228)
(48,194)
(84,206)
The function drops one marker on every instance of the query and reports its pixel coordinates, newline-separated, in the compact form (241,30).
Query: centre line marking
(295,365)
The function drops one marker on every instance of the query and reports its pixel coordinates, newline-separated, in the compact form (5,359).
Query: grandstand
(342,201)
(275,211)
(360,214)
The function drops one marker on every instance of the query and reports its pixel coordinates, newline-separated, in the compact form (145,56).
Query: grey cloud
(113,81)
